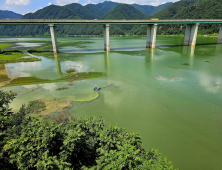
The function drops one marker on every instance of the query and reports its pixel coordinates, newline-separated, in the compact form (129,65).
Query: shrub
(35,106)
(70,70)
(84,143)
(7,53)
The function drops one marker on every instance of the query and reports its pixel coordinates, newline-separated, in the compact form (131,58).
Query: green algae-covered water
(171,95)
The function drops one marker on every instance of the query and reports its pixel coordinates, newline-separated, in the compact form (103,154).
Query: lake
(171,95)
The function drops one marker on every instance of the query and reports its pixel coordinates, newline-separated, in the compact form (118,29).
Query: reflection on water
(150,54)
(189,51)
(107,61)
(58,66)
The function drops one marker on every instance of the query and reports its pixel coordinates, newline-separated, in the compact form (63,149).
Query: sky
(26,6)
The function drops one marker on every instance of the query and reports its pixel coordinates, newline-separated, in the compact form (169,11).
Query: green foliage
(187,9)
(98,13)
(81,11)
(7,53)
(107,6)
(175,8)
(36,106)
(3,46)
(17,59)
(10,126)
(84,143)
(70,70)
(124,11)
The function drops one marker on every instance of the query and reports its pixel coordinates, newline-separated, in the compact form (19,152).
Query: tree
(83,143)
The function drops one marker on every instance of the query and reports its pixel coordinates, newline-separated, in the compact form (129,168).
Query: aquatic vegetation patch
(185,64)
(36,106)
(207,61)
(72,77)
(56,106)
(14,56)
(62,88)
(70,70)
(4,78)
(32,90)
(4,45)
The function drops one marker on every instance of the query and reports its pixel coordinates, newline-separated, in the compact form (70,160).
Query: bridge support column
(53,36)
(191,34)
(219,40)
(106,37)
(151,36)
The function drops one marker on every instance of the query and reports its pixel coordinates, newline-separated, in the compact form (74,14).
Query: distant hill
(98,13)
(52,12)
(175,8)
(183,9)
(125,11)
(206,9)
(9,15)
(169,12)
(107,6)
(151,10)
(81,11)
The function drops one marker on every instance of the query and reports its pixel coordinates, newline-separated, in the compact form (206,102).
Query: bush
(7,53)
(70,70)
(84,143)
(35,106)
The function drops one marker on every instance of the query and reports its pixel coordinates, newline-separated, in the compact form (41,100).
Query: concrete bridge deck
(72,21)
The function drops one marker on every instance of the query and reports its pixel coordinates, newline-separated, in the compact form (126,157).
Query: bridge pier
(53,37)
(106,37)
(219,40)
(191,34)
(151,36)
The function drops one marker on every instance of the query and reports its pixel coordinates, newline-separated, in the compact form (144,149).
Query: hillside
(151,10)
(125,11)
(81,11)
(107,6)
(198,9)
(52,12)
(206,9)
(56,12)
(175,8)
(161,7)
(98,13)
(9,15)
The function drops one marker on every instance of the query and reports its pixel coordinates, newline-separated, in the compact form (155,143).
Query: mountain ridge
(5,14)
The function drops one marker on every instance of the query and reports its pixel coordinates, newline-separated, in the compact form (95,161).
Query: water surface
(174,107)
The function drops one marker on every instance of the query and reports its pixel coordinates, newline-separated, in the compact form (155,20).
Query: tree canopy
(83,143)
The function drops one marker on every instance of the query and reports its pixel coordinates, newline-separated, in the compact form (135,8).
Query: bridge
(189,40)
